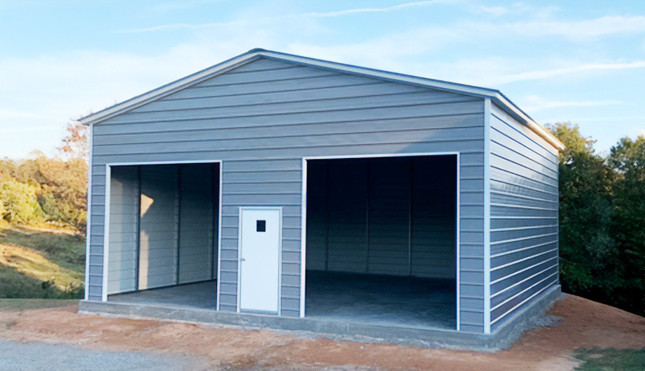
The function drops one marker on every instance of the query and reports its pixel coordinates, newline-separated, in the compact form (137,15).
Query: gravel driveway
(44,356)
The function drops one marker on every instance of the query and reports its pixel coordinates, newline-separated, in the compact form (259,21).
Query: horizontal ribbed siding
(262,118)
(524,216)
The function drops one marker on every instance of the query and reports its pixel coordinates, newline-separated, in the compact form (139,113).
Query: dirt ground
(585,324)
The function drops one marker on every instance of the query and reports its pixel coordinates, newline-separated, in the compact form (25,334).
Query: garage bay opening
(381,240)
(163,234)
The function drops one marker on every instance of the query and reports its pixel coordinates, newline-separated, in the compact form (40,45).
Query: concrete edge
(338,330)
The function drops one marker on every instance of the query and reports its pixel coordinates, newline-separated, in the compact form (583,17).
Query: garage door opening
(163,234)
(381,240)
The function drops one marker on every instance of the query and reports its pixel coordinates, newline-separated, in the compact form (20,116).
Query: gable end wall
(260,120)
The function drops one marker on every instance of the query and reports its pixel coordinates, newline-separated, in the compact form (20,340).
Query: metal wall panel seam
(524,301)
(522,270)
(522,281)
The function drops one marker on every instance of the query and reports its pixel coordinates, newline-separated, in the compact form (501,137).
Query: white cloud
(640,133)
(372,10)
(182,26)
(582,30)
(494,10)
(535,103)
(9,114)
(279,19)
(573,69)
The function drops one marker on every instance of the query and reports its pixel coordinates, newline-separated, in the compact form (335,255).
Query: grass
(41,262)
(597,359)
(18,305)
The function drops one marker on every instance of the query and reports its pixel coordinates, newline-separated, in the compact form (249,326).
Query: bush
(20,202)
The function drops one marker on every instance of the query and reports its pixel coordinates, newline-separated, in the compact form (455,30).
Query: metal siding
(159,227)
(524,215)
(124,210)
(196,224)
(431,121)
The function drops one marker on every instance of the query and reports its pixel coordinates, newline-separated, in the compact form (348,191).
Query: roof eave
(517,113)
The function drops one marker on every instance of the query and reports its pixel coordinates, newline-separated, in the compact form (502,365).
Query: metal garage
(297,193)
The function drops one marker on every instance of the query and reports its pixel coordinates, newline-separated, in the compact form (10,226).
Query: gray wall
(393,216)
(261,119)
(524,215)
(159,227)
(197,243)
(124,207)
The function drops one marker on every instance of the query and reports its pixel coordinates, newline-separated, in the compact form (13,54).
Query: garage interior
(163,234)
(381,240)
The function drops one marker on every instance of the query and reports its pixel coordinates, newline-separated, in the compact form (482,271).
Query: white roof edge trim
(254,54)
(515,111)
(394,76)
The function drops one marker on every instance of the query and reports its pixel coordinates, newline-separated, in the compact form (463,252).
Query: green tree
(20,202)
(62,193)
(627,158)
(588,254)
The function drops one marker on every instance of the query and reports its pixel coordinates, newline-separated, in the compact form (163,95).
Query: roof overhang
(494,95)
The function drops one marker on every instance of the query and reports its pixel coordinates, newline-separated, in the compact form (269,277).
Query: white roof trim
(254,54)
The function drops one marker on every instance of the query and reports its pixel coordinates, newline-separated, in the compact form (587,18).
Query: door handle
(242,259)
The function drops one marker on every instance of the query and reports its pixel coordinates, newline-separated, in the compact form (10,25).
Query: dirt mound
(584,324)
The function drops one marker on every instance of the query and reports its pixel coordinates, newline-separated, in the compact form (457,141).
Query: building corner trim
(487,313)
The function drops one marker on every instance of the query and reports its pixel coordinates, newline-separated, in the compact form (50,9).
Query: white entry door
(260,236)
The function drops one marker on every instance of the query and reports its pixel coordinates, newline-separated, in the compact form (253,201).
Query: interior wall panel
(124,210)
(159,227)
(347,223)
(392,216)
(196,223)
(434,217)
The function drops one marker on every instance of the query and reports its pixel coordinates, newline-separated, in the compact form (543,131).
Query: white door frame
(239,253)
(106,222)
(303,220)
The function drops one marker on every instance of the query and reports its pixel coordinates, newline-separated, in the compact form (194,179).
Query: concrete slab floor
(195,295)
(375,299)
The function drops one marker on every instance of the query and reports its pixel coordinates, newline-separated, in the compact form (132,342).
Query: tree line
(602,219)
(47,189)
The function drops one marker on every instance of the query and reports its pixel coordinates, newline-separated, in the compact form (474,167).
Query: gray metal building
(278,188)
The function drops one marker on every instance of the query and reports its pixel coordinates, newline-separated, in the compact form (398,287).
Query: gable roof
(252,55)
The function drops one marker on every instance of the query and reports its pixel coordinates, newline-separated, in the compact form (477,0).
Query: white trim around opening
(303,219)
(106,226)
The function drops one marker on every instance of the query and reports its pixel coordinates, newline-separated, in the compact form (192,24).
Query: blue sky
(578,61)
